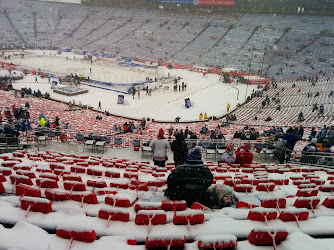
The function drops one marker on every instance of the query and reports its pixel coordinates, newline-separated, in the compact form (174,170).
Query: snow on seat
(156,183)
(247,170)
(78,170)
(327,188)
(299,182)
(262,214)
(5,171)
(54,166)
(9,164)
(113,213)
(130,175)
(307,202)
(108,164)
(147,205)
(56,195)
(262,179)
(17,179)
(121,200)
(49,176)
(307,192)
(92,162)
(74,186)
(266,187)
(99,184)
(120,165)
(158,174)
(188,217)
(24,190)
(22,166)
(243,188)
(173,205)
(94,171)
(84,197)
(46,183)
(267,236)
(216,241)
(68,177)
(139,187)
(82,164)
(79,233)
(43,170)
(61,172)
(18,154)
(281,181)
(244,204)
(231,182)
(36,204)
(307,185)
(294,214)
(151,217)
(107,191)
(28,173)
(272,201)
(119,184)
(317,182)
(165,241)
(329,202)
(312,170)
(112,173)
(161,170)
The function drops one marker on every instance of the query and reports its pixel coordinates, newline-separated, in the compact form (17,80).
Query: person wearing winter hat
(179,148)
(220,196)
(159,148)
(229,156)
(309,151)
(191,180)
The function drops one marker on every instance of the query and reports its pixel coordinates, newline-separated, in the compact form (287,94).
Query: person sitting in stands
(220,196)
(191,180)
(244,156)
(268,119)
(229,156)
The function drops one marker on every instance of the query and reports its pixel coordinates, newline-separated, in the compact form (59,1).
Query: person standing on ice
(36,81)
(99,105)
(228,107)
(138,94)
(159,148)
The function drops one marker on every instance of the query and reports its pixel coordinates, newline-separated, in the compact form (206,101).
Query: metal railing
(317,159)
(128,140)
(9,143)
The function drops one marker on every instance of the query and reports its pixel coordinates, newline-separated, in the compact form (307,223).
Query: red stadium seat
(152,217)
(216,241)
(165,241)
(75,233)
(24,190)
(267,236)
(36,204)
(188,217)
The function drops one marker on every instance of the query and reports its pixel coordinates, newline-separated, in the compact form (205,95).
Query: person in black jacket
(179,148)
(191,180)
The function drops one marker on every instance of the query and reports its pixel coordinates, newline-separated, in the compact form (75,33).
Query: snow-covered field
(207,94)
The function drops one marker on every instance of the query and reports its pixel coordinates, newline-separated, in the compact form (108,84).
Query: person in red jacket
(248,156)
(244,156)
